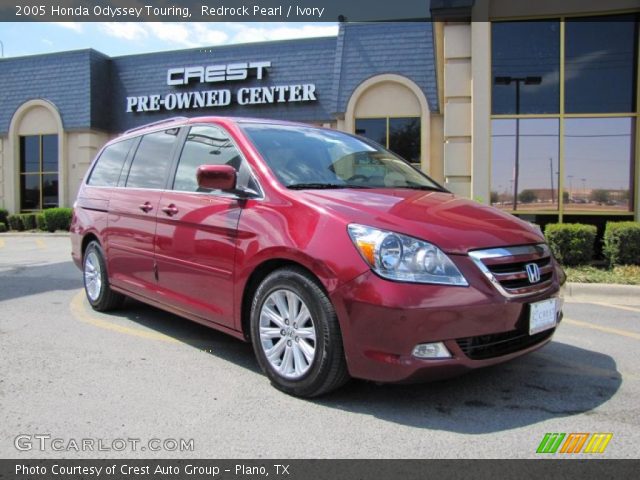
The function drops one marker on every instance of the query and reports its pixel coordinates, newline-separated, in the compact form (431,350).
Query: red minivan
(334,257)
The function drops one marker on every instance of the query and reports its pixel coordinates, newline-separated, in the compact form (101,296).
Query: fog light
(431,350)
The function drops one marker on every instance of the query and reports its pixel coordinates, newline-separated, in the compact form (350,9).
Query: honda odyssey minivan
(334,257)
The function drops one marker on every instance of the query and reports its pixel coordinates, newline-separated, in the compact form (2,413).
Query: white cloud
(74,26)
(150,36)
(186,34)
(124,30)
(245,33)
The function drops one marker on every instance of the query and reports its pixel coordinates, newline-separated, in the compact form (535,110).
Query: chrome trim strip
(478,255)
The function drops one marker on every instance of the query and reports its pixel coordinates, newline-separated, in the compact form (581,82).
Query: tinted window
(404,138)
(30,192)
(108,166)
(50,153)
(600,64)
(373,128)
(205,145)
(30,154)
(522,50)
(152,160)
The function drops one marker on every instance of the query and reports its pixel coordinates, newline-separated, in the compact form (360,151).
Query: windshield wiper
(422,187)
(318,186)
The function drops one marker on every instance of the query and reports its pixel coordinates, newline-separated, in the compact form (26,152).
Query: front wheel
(296,336)
(96,281)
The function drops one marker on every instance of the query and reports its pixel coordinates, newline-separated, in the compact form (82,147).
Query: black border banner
(212,10)
(183,469)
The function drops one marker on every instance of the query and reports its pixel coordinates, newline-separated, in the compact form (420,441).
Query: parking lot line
(621,307)
(79,310)
(1,243)
(614,331)
(40,243)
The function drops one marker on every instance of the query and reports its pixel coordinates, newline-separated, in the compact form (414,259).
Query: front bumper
(382,321)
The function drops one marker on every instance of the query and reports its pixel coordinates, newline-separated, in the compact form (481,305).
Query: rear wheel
(296,336)
(96,281)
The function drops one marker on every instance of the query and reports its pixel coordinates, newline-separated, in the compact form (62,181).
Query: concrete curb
(33,234)
(603,293)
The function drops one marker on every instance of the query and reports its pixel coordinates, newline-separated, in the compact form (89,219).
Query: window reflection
(520,50)
(600,64)
(598,164)
(533,154)
(373,128)
(38,172)
(152,160)
(401,135)
(404,138)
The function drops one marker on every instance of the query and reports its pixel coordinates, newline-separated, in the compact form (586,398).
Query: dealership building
(536,114)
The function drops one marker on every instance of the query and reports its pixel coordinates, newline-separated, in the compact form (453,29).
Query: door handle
(170,210)
(146,207)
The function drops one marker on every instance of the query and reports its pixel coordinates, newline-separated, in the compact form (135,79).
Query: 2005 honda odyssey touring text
(334,257)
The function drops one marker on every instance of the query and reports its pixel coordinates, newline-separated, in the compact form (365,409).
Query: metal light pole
(518,81)
(551,172)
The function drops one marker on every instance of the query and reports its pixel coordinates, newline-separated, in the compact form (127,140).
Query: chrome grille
(505,268)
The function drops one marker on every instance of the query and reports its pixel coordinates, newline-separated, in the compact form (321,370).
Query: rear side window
(205,145)
(107,170)
(152,160)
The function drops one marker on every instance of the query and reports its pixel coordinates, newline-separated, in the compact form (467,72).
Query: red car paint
(194,255)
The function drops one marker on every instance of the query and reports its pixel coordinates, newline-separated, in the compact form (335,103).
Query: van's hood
(454,224)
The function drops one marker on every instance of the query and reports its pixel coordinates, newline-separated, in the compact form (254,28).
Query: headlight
(399,257)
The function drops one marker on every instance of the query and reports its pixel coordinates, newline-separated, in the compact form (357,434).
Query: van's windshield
(313,158)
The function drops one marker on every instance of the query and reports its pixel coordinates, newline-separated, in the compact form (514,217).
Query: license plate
(542,316)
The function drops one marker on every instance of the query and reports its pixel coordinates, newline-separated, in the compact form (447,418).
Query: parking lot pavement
(140,373)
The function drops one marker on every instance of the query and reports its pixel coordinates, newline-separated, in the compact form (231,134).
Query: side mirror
(216,177)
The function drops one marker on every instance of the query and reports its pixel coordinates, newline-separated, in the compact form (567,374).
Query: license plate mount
(542,315)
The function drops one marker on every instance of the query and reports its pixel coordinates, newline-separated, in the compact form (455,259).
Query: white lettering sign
(223,97)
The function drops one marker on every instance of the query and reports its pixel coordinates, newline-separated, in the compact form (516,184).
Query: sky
(122,38)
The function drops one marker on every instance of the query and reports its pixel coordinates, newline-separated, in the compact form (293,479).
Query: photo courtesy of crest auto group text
(235,237)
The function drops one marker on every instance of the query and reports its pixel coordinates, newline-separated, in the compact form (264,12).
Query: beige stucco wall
(457,106)
(82,147)
(75,152)
(436,162)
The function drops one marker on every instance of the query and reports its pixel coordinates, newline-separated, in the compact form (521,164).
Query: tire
(302,373)
(96,280)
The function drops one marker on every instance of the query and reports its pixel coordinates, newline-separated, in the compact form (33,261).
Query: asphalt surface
(71,373)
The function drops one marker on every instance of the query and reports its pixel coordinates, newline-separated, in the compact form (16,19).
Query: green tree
(495,197)
(600,196)
(527,196)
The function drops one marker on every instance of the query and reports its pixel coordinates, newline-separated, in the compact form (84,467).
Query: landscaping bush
(3,216)
(3,228)
(15,222)
(28,221)
(41,223)
(58,219)
(622,243)
(571,243)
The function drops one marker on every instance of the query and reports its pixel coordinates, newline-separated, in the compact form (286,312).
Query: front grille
(497,344)
(506,268)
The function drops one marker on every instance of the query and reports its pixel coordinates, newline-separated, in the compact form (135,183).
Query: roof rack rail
(153,124)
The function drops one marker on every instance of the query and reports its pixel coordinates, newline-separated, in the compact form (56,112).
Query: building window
(401,135)
(525,164)
(564,115)
(598,170)
(38,172)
